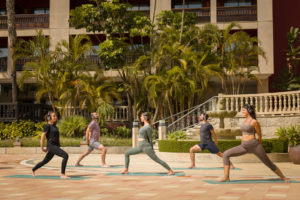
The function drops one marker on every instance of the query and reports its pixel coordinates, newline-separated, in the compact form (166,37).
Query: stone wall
(269,124)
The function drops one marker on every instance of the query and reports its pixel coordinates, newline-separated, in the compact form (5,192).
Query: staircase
(266,104)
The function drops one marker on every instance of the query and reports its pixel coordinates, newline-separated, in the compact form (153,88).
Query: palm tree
(12,38)
(41,68)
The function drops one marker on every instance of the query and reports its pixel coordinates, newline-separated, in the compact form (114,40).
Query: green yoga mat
(46,177)
(96,166)
(249,181)
(142,174)
(205,168)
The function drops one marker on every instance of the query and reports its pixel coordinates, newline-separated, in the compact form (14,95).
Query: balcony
(240,13)
(27,21)
(203,14)
(3,64)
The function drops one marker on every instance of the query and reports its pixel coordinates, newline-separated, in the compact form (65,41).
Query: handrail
(180,112)
(197,107)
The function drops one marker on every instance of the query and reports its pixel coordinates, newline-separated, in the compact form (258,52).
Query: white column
(135,132)
(213,11)
(156,6)
(59,21)
(265,35)
(162,130)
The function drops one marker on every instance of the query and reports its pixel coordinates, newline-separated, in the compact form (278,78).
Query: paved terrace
(100,186)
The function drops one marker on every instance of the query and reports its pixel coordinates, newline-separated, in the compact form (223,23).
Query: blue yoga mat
(252,181)
(205,168)
(142,174)
(96,166)
(46,177)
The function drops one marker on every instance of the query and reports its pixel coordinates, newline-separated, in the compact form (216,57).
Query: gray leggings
(146,148)
(252,146)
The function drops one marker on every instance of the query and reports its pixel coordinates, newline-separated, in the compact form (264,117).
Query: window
(2,12)
(41,11)
(189,5)
(235,3)
(3,52)
(137,7)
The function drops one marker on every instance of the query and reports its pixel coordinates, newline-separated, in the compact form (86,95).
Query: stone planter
(294,153)
(227,133)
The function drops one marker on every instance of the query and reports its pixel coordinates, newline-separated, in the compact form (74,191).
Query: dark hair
(147,117)
(250,110)
(206,116)
(48,117)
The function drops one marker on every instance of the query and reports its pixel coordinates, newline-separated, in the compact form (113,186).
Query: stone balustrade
(265,103)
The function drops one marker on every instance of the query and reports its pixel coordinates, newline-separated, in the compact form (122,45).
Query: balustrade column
(289,108)
(275,104)
(231,103)
(284,102)
(298,104)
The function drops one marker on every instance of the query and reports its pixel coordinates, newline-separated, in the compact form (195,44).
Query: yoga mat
(142,174)
(46,177)
(205,168)
(96,166)
(249,181)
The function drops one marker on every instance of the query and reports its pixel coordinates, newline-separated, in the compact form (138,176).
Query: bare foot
(191,167)
(125,171)
(286,180)
(105,166)
(224,179)
(78,165)
(171,172)
(33,173)
(63,176)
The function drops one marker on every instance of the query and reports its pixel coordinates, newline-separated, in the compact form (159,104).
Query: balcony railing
(23,111)
(3,64)
(27,21)
(203,14)
(241,13)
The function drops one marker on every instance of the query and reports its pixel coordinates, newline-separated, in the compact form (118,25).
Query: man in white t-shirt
(92,139)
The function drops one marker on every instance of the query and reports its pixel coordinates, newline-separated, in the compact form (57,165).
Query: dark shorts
(210,147)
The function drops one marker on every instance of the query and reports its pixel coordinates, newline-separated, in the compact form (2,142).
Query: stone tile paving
(100,186)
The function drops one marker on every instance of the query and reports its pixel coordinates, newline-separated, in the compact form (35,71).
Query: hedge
(270,145)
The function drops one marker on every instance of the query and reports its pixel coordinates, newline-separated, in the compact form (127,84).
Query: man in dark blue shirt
(206,134)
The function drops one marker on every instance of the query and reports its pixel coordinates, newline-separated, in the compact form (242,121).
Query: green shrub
(17,129)
(177,135)
(123,132)
(72,126)
(270,145)
(104,132)
(291,133)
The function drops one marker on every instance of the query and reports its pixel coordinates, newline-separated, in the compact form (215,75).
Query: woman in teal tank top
(145,145)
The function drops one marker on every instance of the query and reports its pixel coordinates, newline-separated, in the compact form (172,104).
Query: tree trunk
(182,20)
(12,37)
(130,118)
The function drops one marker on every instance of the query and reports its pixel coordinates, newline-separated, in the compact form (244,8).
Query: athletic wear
(95,131)
(54,150)
(205,134)
(212,147)
(247,129)
(93,145)
(146,133)
(145,147)
(252,146)
(52,134)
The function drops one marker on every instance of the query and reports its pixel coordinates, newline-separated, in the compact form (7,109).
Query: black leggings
(54,150)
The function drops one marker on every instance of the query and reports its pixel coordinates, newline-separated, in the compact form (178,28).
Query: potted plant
(293,135)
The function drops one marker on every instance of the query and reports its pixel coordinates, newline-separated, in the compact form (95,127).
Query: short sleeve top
(95,131)
(52,134)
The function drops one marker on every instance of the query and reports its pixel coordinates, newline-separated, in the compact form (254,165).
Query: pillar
(156,6)
(59,21)
(162,130)
(213,11)
(135,132)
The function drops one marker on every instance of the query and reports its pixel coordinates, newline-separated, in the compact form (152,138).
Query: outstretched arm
(256,125)
(42,142)
(214,136)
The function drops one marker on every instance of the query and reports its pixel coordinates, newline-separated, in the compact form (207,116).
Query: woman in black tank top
(53,146)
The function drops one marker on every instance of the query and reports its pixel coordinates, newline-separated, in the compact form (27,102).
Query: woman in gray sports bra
(250,145)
